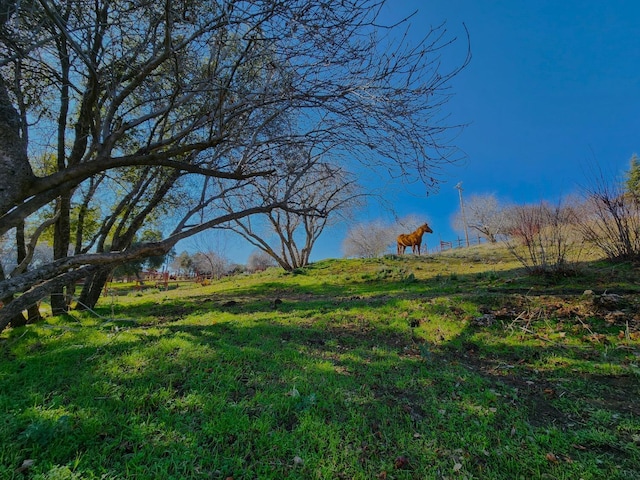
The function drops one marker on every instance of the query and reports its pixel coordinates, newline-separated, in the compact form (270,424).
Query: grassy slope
(451,366)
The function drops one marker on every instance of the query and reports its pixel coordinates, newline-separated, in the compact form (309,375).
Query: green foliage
(133,269)
(633,176)
(444,366)
(43,432)
(156,261)
(183,262)
(58,473)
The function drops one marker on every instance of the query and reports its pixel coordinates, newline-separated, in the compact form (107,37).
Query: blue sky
(552,88)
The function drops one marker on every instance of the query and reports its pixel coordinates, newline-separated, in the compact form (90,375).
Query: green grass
(449,366)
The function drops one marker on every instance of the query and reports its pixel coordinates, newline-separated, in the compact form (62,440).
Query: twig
(585,326)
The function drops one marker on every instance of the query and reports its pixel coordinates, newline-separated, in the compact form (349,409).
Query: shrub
(611,220)
(543,238)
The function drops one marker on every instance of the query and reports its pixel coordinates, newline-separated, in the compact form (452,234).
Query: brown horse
(413,240)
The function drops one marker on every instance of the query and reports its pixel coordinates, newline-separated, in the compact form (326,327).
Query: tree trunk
(33,312)
(93,286)
(33,295)
(17,320)
(61,241)
(15,169)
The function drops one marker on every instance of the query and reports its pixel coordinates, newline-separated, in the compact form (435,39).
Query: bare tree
(610,216)
(210,264)
(260,260)
(317,192)
(484,214)
(368,240)
(543,237)
(198,92)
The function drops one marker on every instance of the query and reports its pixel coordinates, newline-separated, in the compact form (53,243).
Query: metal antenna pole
(464,218)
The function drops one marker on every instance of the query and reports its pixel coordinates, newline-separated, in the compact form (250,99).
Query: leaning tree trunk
(15,170)
(33,312)
(18,319)
(62,229)
(61,241)
(93,286)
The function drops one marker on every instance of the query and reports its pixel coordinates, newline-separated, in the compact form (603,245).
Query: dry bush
(610,220)
(259,261)
(368,240)
(543,238)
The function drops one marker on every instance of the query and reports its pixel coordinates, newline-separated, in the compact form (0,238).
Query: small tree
(484,214)
(633,176)
(135,267)
(542,237)
(129,270)
(318,193)
(368,240)
(182,264)
(611,216)
(260,260)
(236,268)
(210,264)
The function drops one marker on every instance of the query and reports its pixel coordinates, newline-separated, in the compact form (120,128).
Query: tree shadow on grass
(160,398)
(509,291)
(253,397)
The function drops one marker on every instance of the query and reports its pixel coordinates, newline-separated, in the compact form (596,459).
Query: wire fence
(445,245)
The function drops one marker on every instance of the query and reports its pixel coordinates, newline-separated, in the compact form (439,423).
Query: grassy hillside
(449,366)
